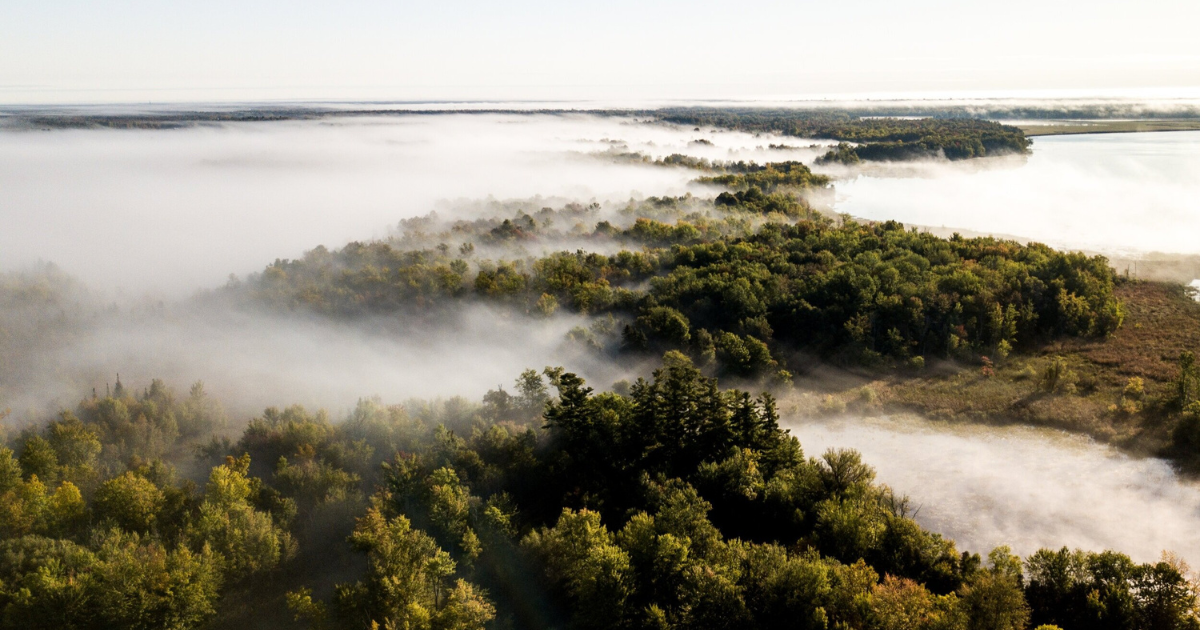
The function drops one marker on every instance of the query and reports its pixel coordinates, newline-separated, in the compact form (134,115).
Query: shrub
(1058,377)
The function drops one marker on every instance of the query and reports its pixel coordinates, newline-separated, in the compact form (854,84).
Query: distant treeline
(876,137)
(740,175)
(671,503)
(802,176)
(741,302)
(732,117)
(769,177)
(981,110)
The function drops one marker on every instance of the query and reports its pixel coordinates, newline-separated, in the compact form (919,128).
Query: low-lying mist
(251,359)
(174,210)
(136,221)
(1023,487)
(1120,193)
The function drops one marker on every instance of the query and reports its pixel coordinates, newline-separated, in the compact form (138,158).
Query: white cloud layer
(1102,192)
(1023,487)
(175,210)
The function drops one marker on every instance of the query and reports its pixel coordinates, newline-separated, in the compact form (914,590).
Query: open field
(1161,321)
(1070,127)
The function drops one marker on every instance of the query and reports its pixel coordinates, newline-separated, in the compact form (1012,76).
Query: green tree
(38,458)
(994,600)
(10,470)
(66,511)
(140,585)
(408,583)
(902,604)
(131,501)
(248,540)
(581,558)
(76,447)
(126,582)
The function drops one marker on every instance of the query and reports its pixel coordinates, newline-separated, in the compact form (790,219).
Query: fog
(1118,193)
(140,220)
(253,359)
(1023,487)
(169,211)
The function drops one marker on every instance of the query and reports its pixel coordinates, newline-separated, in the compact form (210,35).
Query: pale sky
(71,51)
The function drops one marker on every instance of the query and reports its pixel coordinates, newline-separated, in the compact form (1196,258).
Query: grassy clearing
(1092,393)
(1071,127)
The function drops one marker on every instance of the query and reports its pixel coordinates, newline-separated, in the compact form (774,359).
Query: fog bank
(1023,487)
(1125,192)
(251,360)
(177,209)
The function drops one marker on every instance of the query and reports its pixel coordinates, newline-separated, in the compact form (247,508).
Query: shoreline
(1082,127)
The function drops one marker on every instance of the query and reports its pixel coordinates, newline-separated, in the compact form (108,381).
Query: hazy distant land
(1068,127)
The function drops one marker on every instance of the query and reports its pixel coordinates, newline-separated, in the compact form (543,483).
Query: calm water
(1131,193)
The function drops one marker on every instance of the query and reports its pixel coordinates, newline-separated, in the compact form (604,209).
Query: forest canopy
(677,504)
(741,301)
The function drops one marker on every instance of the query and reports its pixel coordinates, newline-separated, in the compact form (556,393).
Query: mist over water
(1119,192)
(174,210)
(1022,487)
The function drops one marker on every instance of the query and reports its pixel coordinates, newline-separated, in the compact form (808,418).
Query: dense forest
(672,504)
(756,285)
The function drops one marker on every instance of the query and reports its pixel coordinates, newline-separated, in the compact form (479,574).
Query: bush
(1135,388)
(832,405)
(1058,377)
